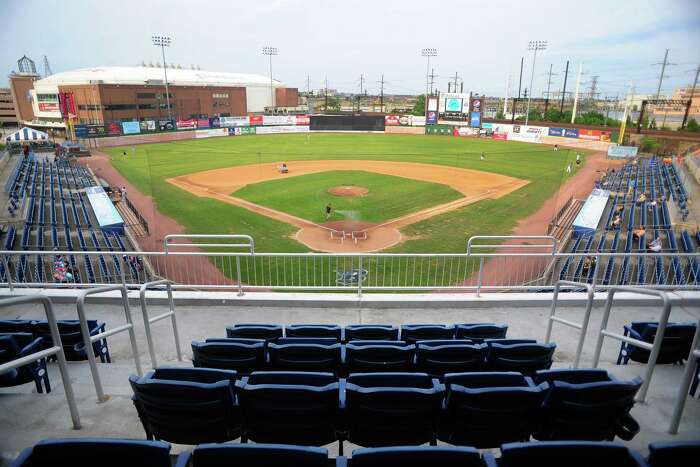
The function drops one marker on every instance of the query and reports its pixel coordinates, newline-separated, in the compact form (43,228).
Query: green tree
(692,125)
(501,116)
(649,144)
(535,115)
(333,105)
(419,106)
(553,115)
(652,124)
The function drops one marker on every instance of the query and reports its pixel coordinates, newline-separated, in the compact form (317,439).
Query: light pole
(427,53)
(270,51)
(534,46)
(163,42)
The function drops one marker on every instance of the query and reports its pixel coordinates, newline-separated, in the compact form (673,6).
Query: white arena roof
(144,75)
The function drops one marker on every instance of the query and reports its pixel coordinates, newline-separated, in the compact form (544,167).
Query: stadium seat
(242,355)
(675,346)
(585,405)
(314,330)
(366,332)
(370,356)
(449,356)
(526,358)
(267,455)
(480,331)
(187,405)
(412,333)
(673,453)
(289,407)
(267,332)
(487,409)
(569,454)
(389,409)
(422,456)
(19,345)
(17,325)
(95,451)
(72,339)
(304,354)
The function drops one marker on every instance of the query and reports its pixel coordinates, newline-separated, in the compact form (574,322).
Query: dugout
(347,123)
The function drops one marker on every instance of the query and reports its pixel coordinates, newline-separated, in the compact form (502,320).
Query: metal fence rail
(583,326)
(147,321)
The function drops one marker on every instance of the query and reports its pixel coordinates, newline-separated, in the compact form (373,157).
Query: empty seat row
(410,333)
(435,357)
(482,409)
(135,453)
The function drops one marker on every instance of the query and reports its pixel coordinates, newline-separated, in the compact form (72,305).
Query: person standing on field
(329,210)
(482,156)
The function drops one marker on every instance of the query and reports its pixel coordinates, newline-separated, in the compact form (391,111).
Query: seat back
(266,332)
(187,405)
(215,455)
(370,332)
(419,456)
(304,357)
(573,376)
(440,357)
(569,453)
(675,346)
(370,356)
(481,331)
(525,358)
(16,325)
(673,453)
(385,409)
(313,330)
(290,407)
(412,333)
(242,355)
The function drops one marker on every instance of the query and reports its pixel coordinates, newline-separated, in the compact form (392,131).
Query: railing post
(89,351)
(481,272)
(147,320)
(7,272)
(688,376)
(359,278)
(122,270)
(173,320)
(238,275)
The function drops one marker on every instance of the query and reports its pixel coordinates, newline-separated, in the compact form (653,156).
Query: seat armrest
(22,458)
(33,346)
(489,460)
(183,459)
(340,461)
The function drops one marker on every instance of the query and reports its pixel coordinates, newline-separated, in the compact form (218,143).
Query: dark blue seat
(675,346)
(289,407)
(585,405)
(72,339)
(314,330)
(421,456)
(488,409)
(304,355)
(267,455)
(95,451)
(450,356)
(412,333)
(187,405)
(673,453)
(374,355)
(17,325)
(525,358)
(267,332)
(242,355)
(366,332)
(480,331)
(18,345)
(390,409)
(569,454)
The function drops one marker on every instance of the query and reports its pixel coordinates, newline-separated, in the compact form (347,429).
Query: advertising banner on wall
(210,133)
(49,107)
(147,126)
(622,151)
(234,121)
(256,119)
(500,136)
(303,120)
(555,132)
(113,129)
(166,125)
(279,120)
(570,132)
(131,128)
(464,131)
(432,118)
(417,120)
(189,124)
(96,130)
(392,120)
(270,130)
(215,122)
(244,130)
(66,103)
(524,137)
(80,131)
(202,123)
(475,119)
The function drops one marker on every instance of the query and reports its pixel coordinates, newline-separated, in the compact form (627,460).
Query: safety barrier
(582,327)
(148,321)
(688,375)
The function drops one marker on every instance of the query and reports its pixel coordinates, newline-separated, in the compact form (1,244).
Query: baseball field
(404,193)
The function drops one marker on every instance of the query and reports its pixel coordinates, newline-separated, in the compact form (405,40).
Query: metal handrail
(55,349)
(582,327)
(88,340)
(167,241)
(654,348)
(688,375)
(148,321)
(553,245)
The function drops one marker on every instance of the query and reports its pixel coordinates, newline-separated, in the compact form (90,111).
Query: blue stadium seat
(187,405)
(17,325)
(242,355)
(267,332)
(390,409)
(569,454)
(582,404)
(421,456)
(675,346)
(370,356)
(19,345)
(366,332)
(674,453)
(488,409)
(304,355)
(268,455)
(95,451)
(289,407)
(72,339)
(314,330)
(525,358)
(412,333)
(449,356)
(480,331)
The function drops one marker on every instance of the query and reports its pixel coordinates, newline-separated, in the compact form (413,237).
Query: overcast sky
(617,40)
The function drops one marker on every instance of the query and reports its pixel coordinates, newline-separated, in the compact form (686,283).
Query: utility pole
(457,78)
(505,101)
(427,53)
(308,93)
(432,80)
(549,81)
(520,83)
(325,108)
(563,93)
(381,94)
(623,125)
(534,46)
(663,64)
(695,83)
(578,84)
(594,86)
(359,96)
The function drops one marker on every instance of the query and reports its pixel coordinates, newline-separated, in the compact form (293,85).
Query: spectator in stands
(642,198)
(651,205)
(616,221)
(637,233)
(620,209)
(655,245)
(25,149)
(122,192)
(588,263)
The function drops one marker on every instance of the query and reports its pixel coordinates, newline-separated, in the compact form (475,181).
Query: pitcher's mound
(347,190)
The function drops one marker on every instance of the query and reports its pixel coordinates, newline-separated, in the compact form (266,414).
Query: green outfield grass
(148,167)
(389,197)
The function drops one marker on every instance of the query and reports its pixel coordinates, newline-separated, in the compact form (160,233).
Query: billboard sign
(475,119)
(210,133)
(432,118)
(622,151)
(571,132)
(279,120)
(418,120)
(454,102)
(189,124)
(303,120)
(96,130)
(81,131)
(244,130)
(500,136)
(234,121)
(270,130)
(131,128)
(165,125)
(147,126)
(392,120)
(214,122)
(202,123)
(432,104)
(49,107)
(113,129)
(555,132)
(256,119)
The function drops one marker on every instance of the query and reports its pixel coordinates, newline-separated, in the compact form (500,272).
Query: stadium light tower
(427,53)
(270,51)
(534,46)
(163,42)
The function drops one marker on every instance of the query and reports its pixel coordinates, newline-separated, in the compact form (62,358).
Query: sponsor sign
(418,120)
(525,137)
(234,121)
(537,130)
(165,125)
(487,126)
(432,104)
(499,135)
(202,123)
(81,131)
(405,119)
(66,104)
(210,133)
(269,130)
(605,136)
(464,131)
(475,119)
(392,120)
(475,105)
(214,122)
(113,129)
(244,130)
(622,151)
(502,127)
(556,132)
(453,104)
(131,128)
(432,118)
(49,107)
(96,130)
(303,120)
(256,119)
(189,124)
(591,135)
(147,126)
(570,132)
(279,120)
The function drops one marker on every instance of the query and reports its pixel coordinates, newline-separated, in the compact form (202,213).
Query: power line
(549,81)
(663,64)
(381,94)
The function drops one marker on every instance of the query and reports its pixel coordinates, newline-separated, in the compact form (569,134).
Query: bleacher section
(47,198)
